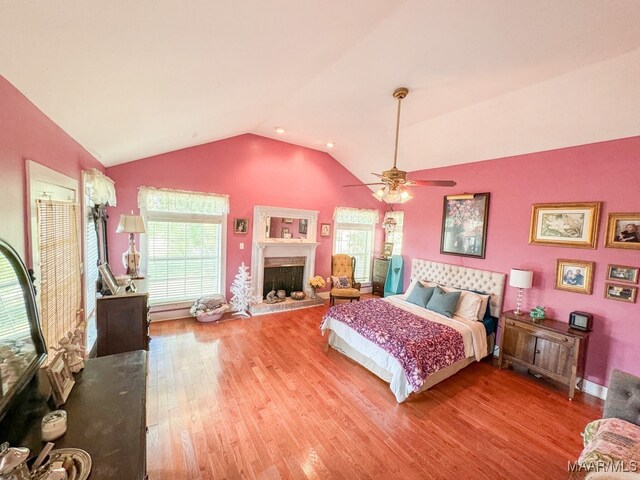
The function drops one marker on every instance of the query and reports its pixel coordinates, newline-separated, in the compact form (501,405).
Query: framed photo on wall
(303,226)
(623,293)
(574,276)
(623,230)
(240,225)
(622,273)
(464,225)
(387,250)
(325,229)
(565,224)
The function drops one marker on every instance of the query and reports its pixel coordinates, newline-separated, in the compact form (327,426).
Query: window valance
(100,189)
(181,201)
(356,216)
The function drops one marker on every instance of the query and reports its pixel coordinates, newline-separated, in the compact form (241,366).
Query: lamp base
(131,258)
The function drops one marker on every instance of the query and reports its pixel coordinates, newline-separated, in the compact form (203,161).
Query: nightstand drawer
(539,332)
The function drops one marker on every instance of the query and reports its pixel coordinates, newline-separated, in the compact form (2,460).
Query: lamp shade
(521,278)
(131,224)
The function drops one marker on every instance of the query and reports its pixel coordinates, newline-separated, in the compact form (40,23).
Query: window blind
(396,236)
(184,259)
(60,285)
(14,320)
(91,263)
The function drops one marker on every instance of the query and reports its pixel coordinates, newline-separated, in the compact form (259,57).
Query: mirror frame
(36,333)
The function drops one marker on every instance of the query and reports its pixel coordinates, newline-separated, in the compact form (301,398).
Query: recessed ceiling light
(330,144)
(280,130)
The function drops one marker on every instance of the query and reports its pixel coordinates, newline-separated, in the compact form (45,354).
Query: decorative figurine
(537,313)
(73,354)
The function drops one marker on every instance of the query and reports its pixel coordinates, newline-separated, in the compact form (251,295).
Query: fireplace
(283,273)
(282,263)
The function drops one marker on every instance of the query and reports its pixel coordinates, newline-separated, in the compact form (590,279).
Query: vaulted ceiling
(488,78)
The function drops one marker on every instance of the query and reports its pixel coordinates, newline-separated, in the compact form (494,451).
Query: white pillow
(470,305)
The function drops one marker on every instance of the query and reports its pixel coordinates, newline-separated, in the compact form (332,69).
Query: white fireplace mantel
(264,247)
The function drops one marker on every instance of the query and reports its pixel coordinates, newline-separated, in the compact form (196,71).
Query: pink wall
(608,172)
(28,134)
(252,170)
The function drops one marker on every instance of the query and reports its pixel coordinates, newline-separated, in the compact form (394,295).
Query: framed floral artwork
(565,224)
(623,230)
(464,225)
(574,276)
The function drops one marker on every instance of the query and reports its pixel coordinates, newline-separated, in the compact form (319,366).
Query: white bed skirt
(397,379)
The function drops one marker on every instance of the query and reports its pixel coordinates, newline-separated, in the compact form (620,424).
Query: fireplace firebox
(283,273)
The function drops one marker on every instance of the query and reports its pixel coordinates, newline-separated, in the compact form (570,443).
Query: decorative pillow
(415,282)
(610,441)
(472,305)
(420,295)
(443,302)
(341,282)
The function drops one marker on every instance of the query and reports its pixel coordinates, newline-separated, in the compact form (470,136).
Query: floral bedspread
(422,347)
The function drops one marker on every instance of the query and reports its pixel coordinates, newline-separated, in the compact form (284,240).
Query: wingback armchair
(343,265)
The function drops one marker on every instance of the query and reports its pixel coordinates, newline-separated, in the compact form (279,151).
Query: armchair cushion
(345,292)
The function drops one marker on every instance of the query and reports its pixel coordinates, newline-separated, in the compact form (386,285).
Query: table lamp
(131,224)
(520,279)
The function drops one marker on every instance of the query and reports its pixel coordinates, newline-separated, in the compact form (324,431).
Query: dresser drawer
(539,332)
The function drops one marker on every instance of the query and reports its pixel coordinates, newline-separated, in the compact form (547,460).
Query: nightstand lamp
(520,279)
(131,224)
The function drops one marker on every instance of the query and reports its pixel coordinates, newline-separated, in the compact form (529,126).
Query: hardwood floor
(260,398)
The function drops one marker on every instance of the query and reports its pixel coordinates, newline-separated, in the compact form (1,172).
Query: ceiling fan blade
(363,184)
(433,183)
(377,175)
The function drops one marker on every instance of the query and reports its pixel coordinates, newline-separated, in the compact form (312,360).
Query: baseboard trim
(594,389)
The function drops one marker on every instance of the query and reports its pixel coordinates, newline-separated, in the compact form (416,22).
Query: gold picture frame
(623,231)
(565,224)
(621,293)
(622,273)
(60,378)
(387,250)
(574,276)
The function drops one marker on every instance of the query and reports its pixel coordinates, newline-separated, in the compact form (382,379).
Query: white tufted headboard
(462,277)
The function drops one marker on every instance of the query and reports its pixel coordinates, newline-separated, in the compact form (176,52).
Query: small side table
(548,347)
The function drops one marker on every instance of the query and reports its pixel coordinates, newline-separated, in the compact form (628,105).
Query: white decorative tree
(242,291)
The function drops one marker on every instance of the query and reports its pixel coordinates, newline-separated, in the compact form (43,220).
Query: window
(395,237)
(354,235)
(184,249)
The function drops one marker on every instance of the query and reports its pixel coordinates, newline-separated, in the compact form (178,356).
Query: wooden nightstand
(547,347)
(380,269)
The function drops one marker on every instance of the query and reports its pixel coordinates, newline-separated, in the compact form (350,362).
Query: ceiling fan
(395,181)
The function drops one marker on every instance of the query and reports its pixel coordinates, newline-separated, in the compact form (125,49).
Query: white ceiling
(488,78)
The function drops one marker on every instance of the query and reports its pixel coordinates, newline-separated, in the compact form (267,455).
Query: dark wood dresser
(547,347)
(380,269)
(106,417)
(122,323)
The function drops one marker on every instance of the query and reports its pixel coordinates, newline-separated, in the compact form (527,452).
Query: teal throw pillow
(443,302)
(420,295)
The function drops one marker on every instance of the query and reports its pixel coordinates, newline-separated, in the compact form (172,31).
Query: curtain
(356,216)
(179,201)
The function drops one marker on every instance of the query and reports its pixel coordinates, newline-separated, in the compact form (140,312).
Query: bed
(453,343)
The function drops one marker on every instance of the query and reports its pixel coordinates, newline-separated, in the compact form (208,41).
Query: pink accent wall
(252,170)
(608,172)
(28,134)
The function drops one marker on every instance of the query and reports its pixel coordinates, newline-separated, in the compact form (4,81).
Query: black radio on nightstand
(581,321)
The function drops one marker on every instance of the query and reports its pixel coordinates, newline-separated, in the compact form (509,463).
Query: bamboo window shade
(60,275)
